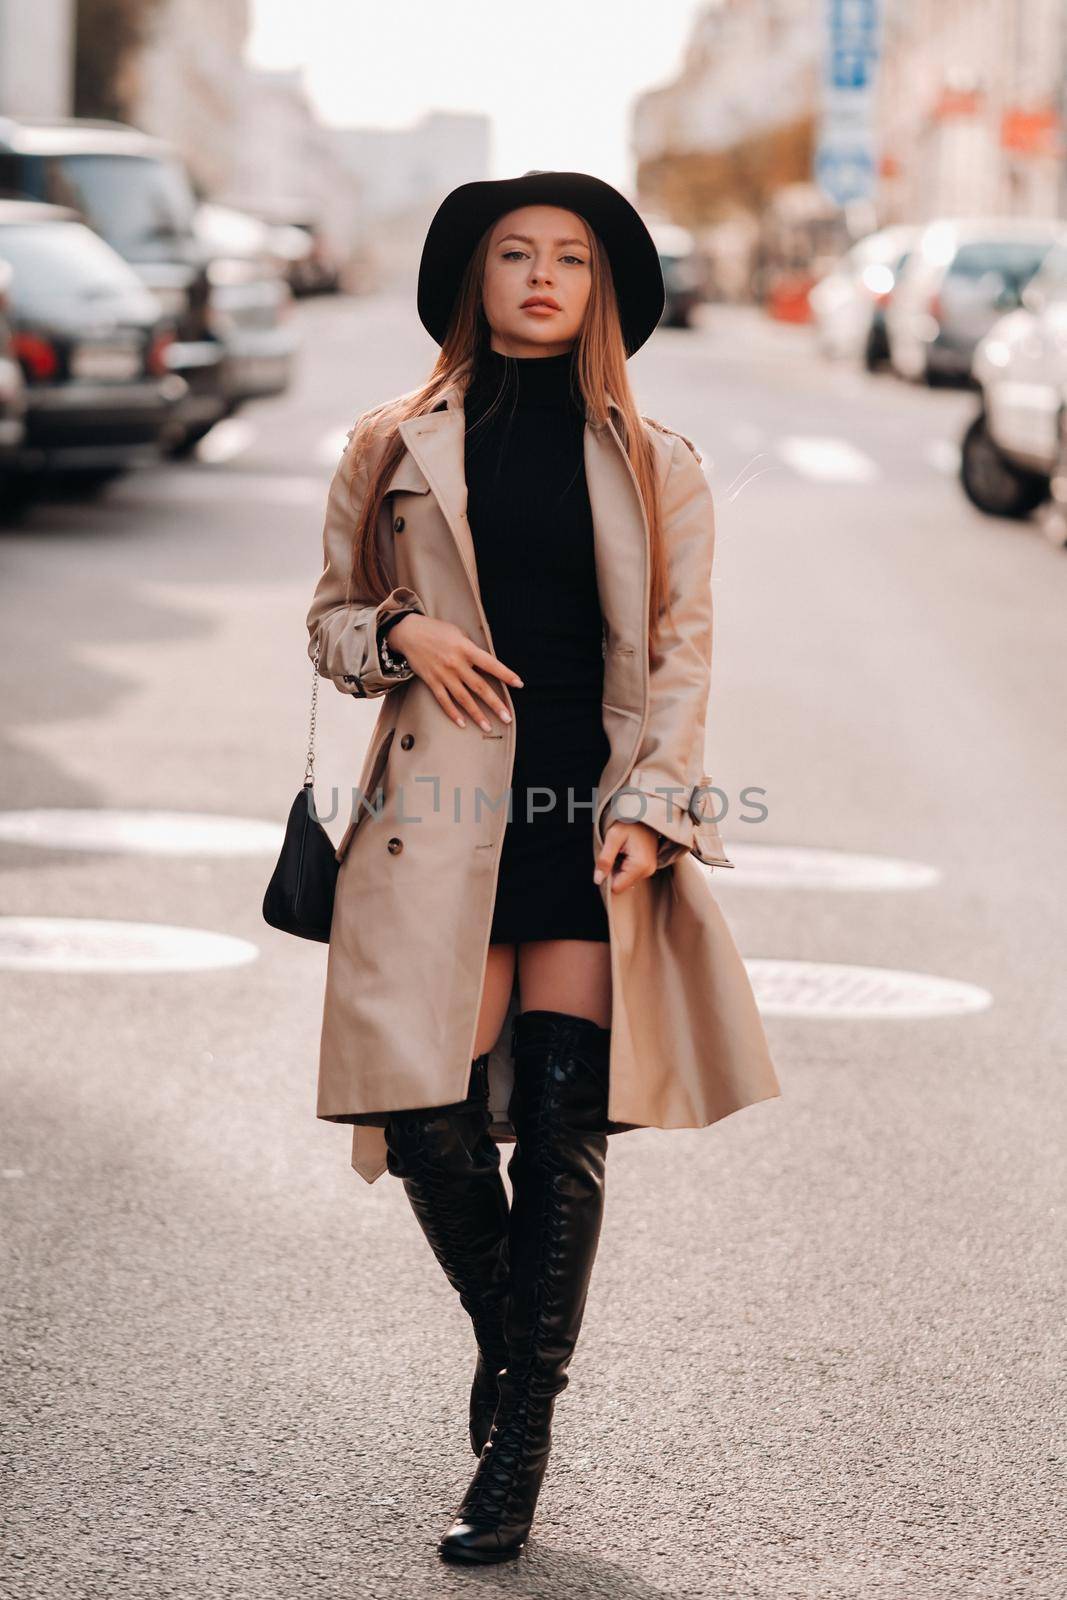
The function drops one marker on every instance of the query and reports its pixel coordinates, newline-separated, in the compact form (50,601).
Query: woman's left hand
(637,845)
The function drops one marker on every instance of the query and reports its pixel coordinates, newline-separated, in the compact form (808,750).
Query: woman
(524,946)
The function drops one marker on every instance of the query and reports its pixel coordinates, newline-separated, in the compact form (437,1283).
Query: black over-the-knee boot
(450,1167)
(558,1109)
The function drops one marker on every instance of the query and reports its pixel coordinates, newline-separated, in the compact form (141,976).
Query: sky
(556,77)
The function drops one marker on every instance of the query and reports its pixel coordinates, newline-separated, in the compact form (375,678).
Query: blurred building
(972,102)
(287,162)
(738,121)
(251,138)
(185,85)
(404,174)
(36,57)
(732,136)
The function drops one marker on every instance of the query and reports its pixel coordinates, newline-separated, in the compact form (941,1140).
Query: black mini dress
(530,519)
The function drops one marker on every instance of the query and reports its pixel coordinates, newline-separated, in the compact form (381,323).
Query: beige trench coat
(421,850)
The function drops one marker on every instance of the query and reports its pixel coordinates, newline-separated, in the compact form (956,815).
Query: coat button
(398,524)
(395,846)
(407,741)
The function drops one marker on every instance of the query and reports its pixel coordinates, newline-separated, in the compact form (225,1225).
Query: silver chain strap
(309,770)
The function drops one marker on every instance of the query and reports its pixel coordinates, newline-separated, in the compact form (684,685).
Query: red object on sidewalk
(788,299)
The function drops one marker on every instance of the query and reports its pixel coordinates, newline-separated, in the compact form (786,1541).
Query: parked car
(961,277)
(92,344)
(683,272)
(1013,447)
(800,233)
(12,386)
(303,270)
(318,269)
(849,303)
(250,303)
(134,191)
(312,261)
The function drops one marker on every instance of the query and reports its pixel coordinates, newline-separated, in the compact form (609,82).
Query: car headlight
(996,352)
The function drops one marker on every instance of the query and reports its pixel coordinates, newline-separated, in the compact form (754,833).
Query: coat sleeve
(667,774)
(344,633)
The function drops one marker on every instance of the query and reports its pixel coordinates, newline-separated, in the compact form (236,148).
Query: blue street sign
(845,173)
(845,166)
(851,69)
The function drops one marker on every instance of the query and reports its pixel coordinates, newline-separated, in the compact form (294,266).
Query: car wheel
(90,480)
(18,491)
(875,351)
(991,482)
(187,443)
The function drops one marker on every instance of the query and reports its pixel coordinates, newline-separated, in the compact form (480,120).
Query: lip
(540,304)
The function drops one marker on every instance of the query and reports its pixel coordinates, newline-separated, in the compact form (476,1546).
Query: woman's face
(537,253)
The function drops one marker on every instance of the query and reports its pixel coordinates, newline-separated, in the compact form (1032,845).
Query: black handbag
(299,897)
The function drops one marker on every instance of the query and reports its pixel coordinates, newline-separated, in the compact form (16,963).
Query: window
(137,203)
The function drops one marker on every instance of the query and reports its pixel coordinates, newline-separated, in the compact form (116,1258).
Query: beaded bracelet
(393,662)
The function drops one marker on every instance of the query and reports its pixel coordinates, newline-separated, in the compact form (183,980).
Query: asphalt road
(820,1354)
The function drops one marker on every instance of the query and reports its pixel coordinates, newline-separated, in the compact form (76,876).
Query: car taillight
(156,358)
(37,356)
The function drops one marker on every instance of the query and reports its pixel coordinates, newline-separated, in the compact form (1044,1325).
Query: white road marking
(772,866)
(745,436)
(822,989)
(160,833)
(224,487)
(83,944)
(229,438)
(943,456)
(332,446)
(826,460)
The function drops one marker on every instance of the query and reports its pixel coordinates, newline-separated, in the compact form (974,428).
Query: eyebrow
(527,240)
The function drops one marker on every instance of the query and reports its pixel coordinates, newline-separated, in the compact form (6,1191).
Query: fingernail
(460,722)
(485,727)
(506,716)
(597,875)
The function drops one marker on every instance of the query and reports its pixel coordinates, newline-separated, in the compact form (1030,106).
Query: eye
(506,255)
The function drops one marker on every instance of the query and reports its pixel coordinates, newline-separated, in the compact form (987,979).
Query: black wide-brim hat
(463,216)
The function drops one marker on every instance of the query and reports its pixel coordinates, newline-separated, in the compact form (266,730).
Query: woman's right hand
(448,662)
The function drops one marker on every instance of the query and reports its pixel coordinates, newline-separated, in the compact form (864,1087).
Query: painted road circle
(84,944)
(157,833)
(773,866)
(822,989)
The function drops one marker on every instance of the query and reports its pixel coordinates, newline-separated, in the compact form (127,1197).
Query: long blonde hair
(600,368)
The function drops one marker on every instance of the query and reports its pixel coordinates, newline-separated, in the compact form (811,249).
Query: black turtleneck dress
(530,520)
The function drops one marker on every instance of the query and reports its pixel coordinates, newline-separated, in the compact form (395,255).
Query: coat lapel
(436,443)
